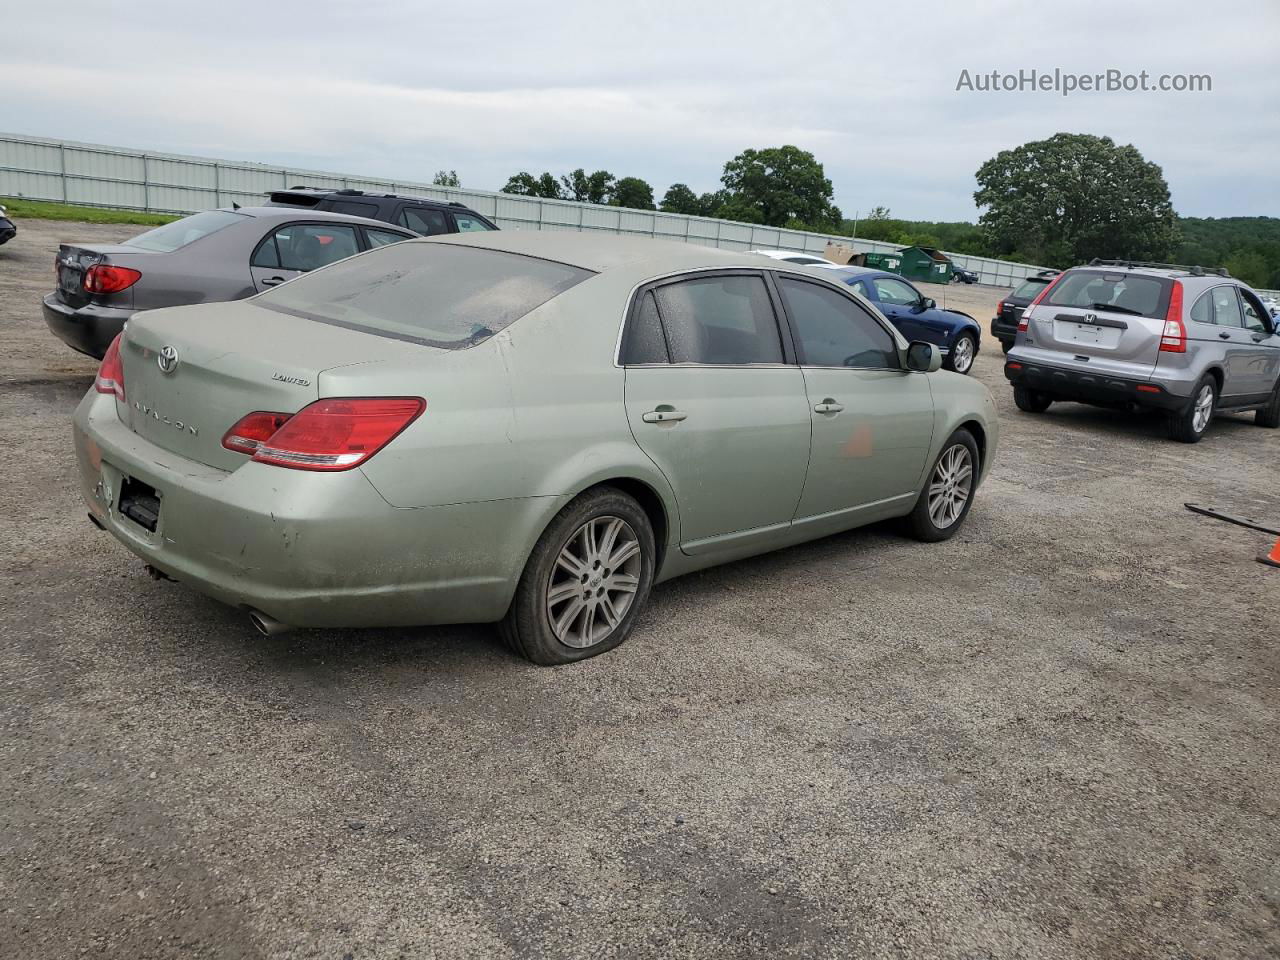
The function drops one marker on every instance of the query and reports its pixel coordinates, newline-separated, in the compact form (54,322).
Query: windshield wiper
(1116,308)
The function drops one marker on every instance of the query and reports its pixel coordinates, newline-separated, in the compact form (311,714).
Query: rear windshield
(174,236)
(1030,288)
(432,293)
(1120,292)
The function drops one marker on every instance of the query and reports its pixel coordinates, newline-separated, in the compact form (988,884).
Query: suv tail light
(110,377)
(999,308)
(334,434)
(1044,292)
(103,278)
(1174,338)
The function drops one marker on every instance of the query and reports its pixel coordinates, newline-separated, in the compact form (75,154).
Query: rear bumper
(88,329)
(310,550)
(1067,384)
(7,230)
(1006,331)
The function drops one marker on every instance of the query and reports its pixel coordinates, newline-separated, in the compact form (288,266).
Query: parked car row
(523,428)
(1177,339)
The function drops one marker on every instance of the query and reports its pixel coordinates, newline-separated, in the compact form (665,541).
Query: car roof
(307,213)
(598,251)
(357,195)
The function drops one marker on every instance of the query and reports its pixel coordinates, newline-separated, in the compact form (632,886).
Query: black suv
(1004,325)
(427,217)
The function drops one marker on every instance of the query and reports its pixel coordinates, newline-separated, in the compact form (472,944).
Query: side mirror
(925,303)
(923,357)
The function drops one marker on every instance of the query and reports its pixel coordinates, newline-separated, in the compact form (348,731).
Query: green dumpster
(882,261)
(925,263)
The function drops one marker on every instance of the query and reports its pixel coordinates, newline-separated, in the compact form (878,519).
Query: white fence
(93,175)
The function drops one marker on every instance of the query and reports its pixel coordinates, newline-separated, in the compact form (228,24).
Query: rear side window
(645,342)
(423,220)
(834,331)
(469,223)
(354,208)
(176,235)
(309,246)
(1226,307)
(1030,288)
(431,293)
(1135,294)
(720,320)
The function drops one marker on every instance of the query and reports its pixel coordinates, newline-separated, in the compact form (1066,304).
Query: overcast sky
(660,90)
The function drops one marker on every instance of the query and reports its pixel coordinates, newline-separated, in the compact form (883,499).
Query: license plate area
(1086,333)
(140,502)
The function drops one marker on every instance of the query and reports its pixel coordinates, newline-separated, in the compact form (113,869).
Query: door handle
(664,414)
(1224,336)
(1258,339)
(272,281)
(827,406)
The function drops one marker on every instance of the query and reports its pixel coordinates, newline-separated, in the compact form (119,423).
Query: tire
(601,520)
(1269,416)
(1189,424)
(948,491)
(1006,345)
(1031,401)
(962,354)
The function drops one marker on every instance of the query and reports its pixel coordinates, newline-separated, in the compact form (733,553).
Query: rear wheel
(945,500)
(962,353)
(1031,401)
(1189,424)
(585,582)
(1269,416)
(1006,345)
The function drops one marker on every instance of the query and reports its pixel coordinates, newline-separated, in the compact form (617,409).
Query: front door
(712,399)
(1263,366)
(872,420)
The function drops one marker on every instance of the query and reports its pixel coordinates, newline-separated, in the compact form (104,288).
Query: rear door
(427,221)
(296,248)
(1111,321)
(1215,327)
(714,400)
(872,421)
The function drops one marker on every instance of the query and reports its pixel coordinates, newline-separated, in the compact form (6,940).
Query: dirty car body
(529,392)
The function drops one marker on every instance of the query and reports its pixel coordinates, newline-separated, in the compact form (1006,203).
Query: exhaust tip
(267,626)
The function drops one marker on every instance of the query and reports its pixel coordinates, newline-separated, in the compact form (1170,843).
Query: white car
(803,259)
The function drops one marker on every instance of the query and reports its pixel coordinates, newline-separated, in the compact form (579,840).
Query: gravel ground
(1054,736)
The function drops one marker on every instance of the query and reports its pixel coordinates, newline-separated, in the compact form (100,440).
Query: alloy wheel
(950,486)
(594,581)
(1204,409)
(962,355)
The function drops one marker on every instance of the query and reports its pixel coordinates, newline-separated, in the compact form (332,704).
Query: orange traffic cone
(1271,559)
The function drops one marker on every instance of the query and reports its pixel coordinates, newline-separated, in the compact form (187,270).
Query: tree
(778,185)
(634,193)
(446,178)
(588,188)
(527,185)
(680,199)
(1072,197)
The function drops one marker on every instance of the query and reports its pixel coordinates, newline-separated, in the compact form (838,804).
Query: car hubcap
(594,581)
(963,355)
(949,488)
(1204,409)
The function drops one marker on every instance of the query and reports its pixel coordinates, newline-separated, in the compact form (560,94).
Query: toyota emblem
(167,359)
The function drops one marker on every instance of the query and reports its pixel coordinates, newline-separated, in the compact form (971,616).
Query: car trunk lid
(222,361)
(74,260)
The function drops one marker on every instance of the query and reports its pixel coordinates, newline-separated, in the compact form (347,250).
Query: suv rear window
(1129,293)
(1030,288)
(436,294)
(176,235)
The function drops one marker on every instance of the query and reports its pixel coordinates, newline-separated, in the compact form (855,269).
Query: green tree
(1075,196)
(634,193)
(778,185)
(446,178)
(527,185)
(680,199)
(589,188)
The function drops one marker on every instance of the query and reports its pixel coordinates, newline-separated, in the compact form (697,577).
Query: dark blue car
(956,334)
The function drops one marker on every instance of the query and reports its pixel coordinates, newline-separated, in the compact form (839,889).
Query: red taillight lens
(252,431)
(1174,338)
(102,278)
(339,433)
(999,308)
(111,374)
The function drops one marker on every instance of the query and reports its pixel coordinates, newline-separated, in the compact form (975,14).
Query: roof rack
(1195,269)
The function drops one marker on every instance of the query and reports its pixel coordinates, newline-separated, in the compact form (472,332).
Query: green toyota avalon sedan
(531,428)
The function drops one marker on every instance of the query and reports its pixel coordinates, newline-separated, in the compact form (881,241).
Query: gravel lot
(1054,736)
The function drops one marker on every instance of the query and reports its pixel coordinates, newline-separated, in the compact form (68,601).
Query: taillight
(1026,314)
(999,308)
(253,430)
(110,377)
(103,278)
(338,433)
(1174,338)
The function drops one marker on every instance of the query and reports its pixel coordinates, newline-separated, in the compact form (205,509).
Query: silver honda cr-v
(1185,340)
